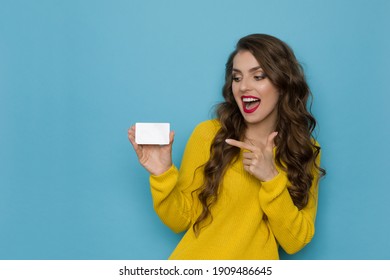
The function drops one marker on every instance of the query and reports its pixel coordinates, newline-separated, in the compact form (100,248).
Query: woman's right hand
(156,159)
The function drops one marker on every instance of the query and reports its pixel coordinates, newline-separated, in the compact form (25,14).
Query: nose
(245,85)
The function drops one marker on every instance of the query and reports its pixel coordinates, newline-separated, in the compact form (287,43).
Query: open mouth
(250,103)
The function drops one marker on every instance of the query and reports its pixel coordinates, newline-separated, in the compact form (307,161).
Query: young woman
(248,181)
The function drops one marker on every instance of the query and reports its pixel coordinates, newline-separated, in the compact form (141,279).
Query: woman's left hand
(258,162)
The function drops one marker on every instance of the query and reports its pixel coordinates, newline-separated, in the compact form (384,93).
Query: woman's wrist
(160,171)
(273,173)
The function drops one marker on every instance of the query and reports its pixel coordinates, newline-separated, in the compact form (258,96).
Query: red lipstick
(250,103)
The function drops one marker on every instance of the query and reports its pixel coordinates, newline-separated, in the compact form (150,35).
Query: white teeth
(250,99)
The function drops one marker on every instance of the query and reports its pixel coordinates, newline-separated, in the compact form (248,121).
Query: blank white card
(152,133)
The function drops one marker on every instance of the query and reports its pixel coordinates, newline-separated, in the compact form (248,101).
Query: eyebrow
(254,69)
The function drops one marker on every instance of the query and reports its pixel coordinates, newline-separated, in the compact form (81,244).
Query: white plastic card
(152,133)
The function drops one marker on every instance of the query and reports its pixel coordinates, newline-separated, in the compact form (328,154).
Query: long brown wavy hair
(296,151)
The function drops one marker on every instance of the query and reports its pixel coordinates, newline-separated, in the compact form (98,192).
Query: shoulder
(315,143)
(209,126)
(198,145)
(206,130)
(317,150)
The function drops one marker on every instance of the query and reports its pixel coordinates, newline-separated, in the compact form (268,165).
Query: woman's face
(254,93)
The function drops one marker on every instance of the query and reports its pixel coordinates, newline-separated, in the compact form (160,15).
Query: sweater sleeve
(293,228)
(173,192)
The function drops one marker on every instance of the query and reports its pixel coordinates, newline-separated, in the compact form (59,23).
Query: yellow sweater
(239,229)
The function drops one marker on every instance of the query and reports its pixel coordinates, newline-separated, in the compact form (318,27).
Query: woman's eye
(260,77)
(236,79)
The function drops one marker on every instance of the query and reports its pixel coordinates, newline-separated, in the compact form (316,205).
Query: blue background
(74,75)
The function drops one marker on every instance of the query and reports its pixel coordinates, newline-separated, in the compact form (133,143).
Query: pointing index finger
(239,144)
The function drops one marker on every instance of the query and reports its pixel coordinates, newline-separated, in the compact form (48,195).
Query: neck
(258,133)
